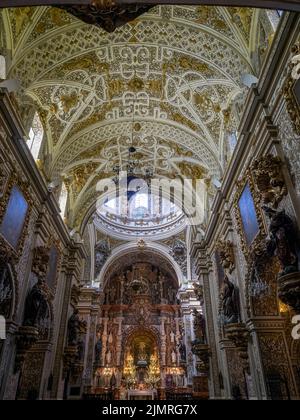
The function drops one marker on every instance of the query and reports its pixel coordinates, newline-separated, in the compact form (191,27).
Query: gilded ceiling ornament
(81,174)
(89,62)
(116,87)
(175,116)
(21,16)
(191,171)
(227,116)
(136,84)
(69,102)
(245,16)
(268,179)
(141,244)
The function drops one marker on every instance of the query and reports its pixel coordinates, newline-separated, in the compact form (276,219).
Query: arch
(153,248)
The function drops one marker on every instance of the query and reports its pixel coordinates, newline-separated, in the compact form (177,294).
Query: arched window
(63,199)
(36,134)
(274,17)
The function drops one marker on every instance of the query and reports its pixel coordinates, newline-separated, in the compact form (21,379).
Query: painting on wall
(248,215)
(14,217)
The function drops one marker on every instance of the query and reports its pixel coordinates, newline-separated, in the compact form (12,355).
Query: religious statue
(36,307)
(142,356)
(80,350)
(173,357)
(98,350)
(199,327)
(230,302)
(112,295)
(75,325)
(182,350)
(283,238)
(108,357)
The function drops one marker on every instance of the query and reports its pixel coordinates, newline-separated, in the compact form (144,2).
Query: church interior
(112,287)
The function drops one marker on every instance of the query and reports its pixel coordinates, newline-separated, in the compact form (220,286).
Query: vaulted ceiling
(168,83)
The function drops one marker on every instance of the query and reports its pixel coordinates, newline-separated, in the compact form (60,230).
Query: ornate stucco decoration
(261,285)
(175,97)
(289,92)
(40,261)
(268,179)
(4,176)
(226,253)
(239,335)
(179,253)
(102,252)
(75,295)
(198,288)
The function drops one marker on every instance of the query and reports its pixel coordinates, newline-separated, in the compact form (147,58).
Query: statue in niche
(112,295)
(230,302)
(172,336)
(182,350)
(171,294)
(75,327)
(199,327)
(108,357)
(283,237)
(36,306)
(142,355)
(155,292)
(80,350)
(173,357)
(98,350)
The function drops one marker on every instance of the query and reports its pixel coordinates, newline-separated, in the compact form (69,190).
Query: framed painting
(248,215)
(14,217)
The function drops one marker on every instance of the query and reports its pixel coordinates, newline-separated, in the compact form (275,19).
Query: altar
(138,394)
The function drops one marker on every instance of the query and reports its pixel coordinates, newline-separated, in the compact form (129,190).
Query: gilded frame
(6,248)
(246,247)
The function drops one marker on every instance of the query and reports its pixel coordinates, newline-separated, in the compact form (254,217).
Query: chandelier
(133,166)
